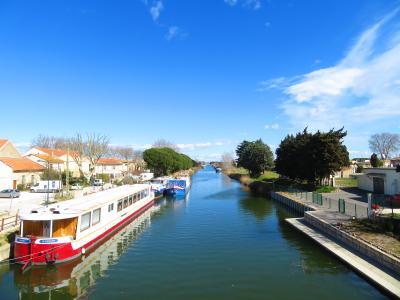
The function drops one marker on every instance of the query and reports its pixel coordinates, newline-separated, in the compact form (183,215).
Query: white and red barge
(63,231)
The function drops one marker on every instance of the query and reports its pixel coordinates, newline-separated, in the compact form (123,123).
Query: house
(395,161)
(56,156)
(345,172)
(113,167)
(15,171)
(380,181)
(7,149)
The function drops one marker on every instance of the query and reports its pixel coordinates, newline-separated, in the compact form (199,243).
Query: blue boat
(178,187)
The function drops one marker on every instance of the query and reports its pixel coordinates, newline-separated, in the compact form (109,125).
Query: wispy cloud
(174,32)
(362,87)
(272,126)
(196,146)
(254,4)
(155,9)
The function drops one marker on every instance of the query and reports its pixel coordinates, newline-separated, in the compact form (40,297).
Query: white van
(98,182)
(146,176)
(45,186)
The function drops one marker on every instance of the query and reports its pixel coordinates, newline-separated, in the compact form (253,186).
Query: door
(379,185)
(14,184)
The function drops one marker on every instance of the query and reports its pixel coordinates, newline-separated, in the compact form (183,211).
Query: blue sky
(203,74)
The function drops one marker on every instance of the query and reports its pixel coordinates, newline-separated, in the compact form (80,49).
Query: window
(111,207)
(96,216)
(130,199)
(85,221)
(135,197)
(125,202)
(119,207)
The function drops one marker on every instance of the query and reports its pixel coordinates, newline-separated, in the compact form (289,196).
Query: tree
(124,153)
(227,161)
(163,161)
(385,144)
(162,143)
(312,157)
(375,161)
(51,142)
(96,147)
(255,156)
(77,150)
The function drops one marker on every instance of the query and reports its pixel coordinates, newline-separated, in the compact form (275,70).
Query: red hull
(57,253)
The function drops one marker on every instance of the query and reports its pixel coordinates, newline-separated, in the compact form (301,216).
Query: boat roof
(78,206)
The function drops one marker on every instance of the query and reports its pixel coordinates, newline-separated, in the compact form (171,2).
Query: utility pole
(67,170)
(48,181)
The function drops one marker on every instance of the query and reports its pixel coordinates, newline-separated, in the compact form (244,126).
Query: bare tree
(77,150)
(96,147)
(162,143)
(384,143)
(51,142)
(227,161)
(124,153)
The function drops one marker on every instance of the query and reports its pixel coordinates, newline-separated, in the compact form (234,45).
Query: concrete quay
(386,281)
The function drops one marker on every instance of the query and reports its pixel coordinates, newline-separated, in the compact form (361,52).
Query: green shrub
(325,189)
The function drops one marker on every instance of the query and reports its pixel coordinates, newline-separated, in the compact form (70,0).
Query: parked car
(76,186)
(42,186)
(9,193)
(98,182)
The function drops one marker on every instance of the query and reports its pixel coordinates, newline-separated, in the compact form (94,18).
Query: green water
(219,243)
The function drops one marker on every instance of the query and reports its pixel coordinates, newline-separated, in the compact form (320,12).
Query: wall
(28,177)
(9,151)
(391,180)
(5,176)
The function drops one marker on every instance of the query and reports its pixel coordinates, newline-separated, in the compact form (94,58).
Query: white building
(14,171)
(113,167)
(56,155)
(380,181)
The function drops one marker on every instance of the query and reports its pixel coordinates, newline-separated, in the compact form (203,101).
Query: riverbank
(328,225)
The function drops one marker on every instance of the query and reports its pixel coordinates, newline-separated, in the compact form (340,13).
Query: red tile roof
(21,164)
(53,160)
(109,161)
(56,152)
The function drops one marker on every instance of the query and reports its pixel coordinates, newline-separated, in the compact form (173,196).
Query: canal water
(219,243)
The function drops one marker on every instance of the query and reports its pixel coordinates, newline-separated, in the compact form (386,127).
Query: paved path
(381,278)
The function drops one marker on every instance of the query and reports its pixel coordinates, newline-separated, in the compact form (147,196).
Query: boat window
(111,207)
(130,199)
(65,227)
(136,197)
(96,216)
(85,221)
(119,207)
(125,202)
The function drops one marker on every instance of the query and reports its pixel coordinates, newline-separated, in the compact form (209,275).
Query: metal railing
(351,208)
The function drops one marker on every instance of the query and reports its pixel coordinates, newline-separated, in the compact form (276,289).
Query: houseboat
(158,185)
(78,276)
(178,187)
(63,231)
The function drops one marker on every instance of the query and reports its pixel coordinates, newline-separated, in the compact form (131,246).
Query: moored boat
(63,231)
(178,187)
(158,185)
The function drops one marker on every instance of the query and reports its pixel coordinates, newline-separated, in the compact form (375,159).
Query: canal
(219,243)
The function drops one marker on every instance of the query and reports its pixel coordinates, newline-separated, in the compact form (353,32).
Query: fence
(351,208)
(9,222)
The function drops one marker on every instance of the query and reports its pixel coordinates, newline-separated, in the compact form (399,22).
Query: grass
(325,189)
(346,182)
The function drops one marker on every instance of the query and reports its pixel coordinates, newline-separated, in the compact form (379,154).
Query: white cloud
(254,4)
(155,10)
(362,87)
(231,2)
(173,32)
(196,146)
(272,126)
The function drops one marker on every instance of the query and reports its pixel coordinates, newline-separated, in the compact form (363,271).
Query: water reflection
(312,259)
(73,280)
(259,207)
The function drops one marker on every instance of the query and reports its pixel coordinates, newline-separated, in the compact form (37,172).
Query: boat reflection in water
(72,280)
